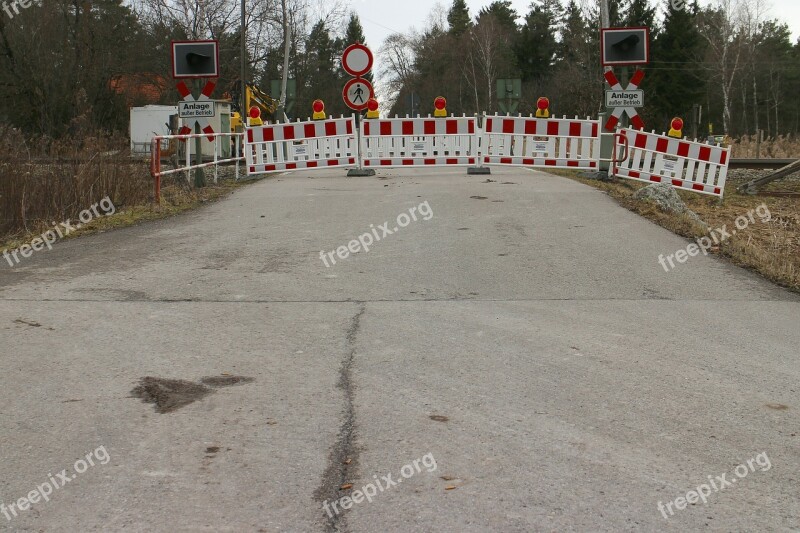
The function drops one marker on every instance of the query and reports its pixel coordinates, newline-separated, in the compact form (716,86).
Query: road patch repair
(169,395)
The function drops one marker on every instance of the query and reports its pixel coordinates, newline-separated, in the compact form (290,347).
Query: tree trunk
(755,103)
(286,50)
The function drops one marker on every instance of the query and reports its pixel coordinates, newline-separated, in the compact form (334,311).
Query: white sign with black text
(196,109)
(634,98)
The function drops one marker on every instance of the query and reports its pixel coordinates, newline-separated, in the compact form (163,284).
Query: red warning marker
(372,109)
(440,107)
(255,116)
(543,107)
(676,128)
(319,110)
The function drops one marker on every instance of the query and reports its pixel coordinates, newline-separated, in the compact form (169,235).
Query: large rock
(667,199)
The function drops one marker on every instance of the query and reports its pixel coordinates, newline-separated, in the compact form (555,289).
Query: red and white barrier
(458,141)
(692,166)
(539,142)
(419,141)
(301,145)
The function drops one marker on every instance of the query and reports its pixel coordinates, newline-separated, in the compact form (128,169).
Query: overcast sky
(384,17)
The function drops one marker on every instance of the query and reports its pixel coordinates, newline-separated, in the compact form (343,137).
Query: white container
(153,120)
(148,122)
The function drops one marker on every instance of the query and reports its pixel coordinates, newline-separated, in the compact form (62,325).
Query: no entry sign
(357,60)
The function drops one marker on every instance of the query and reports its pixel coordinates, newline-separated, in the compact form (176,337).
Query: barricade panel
(419,141)
(539,142)
(301,145)
(688,165)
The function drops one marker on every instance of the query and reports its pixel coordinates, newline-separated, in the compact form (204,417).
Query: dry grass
(778,148)
(63,178)
(57,180)
(771,249)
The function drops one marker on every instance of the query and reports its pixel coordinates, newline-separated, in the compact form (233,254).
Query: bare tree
(753,15)
(398,55)
(721,26)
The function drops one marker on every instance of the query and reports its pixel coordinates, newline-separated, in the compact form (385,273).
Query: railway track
(760,164)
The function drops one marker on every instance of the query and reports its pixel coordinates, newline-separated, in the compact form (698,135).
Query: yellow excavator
(254,97)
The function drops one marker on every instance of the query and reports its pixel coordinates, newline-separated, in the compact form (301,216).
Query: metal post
(479,169)
(759,139)
(155,167)
(216,166)
(242,83)
(188,144)
(606,139)
(236,155)
(606,146)
(360,171)
(605,15)
(199,175)
(625,121)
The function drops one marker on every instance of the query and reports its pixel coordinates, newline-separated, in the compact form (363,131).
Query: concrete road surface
(515,359)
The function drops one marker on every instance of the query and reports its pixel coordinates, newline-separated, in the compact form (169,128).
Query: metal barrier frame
(155,156)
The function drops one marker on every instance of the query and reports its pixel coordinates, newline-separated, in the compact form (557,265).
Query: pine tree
(354,34)
(458,18)
(574,36)
(355,31)
(615,13)
(640,13)
(772,75)
(677,79)
(322,76)
(503,13)
(537,46)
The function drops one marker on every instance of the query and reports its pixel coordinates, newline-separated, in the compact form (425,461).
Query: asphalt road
(522,345)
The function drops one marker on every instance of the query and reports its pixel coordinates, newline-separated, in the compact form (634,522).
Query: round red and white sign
(357,60)
(357,93)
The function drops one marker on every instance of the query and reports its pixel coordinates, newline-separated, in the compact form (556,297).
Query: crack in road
(343,458)
(789,297)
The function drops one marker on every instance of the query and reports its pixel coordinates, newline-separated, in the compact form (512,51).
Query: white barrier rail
(503,140)
(419,141)
(687,165)
(226,148)
(299,145)
(540,142)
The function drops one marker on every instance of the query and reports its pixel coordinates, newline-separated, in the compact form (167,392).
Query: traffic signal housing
(625,46)
(195,59)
